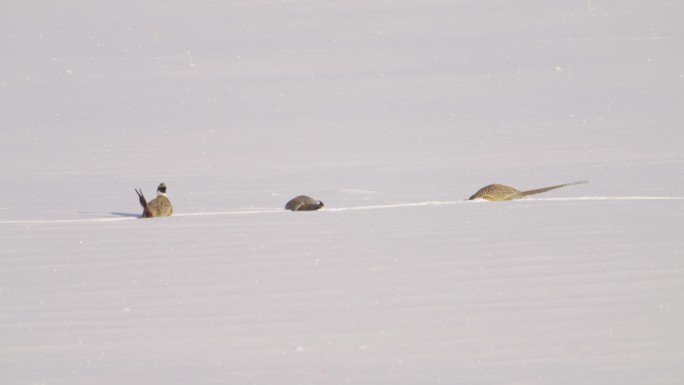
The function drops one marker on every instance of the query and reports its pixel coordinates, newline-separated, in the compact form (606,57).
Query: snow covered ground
(391,112)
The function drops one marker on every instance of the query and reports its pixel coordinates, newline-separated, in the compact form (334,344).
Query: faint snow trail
(625,198)
(229,213)
(353,208)
(103,219)
(397,205)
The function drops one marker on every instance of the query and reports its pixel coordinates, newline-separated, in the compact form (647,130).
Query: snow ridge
(120,217)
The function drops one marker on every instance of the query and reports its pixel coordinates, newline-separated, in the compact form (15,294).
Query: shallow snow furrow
(103,219)
(625,198)
(337,209)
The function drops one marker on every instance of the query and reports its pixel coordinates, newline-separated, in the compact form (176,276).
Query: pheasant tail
(545,189)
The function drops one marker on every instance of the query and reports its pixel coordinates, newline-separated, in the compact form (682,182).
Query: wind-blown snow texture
(391,112)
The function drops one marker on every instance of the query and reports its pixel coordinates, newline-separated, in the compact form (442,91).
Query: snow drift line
(337,209)
(426,203)
(229,213)
(441,203)
(625,198)
(103,219)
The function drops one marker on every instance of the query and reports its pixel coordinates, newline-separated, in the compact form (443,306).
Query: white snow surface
(390,112)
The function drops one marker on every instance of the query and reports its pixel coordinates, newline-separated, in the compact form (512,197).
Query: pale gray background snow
(391,112)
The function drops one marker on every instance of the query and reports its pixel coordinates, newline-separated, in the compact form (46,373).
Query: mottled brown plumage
(499,192)
(157,207)
(303,203)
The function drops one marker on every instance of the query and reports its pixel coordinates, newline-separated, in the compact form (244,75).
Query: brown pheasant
(157,207)
(303,203)
(499,192)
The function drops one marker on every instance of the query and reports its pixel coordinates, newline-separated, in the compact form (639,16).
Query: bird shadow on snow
(96,215)
(127,215)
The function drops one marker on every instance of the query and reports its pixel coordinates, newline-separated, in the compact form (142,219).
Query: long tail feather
(545,189)
(141,197)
